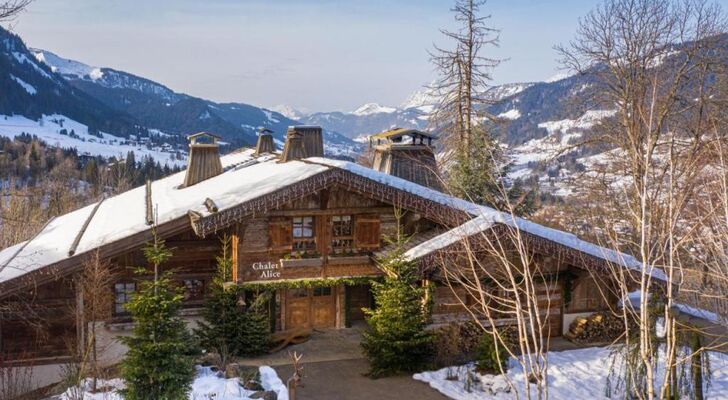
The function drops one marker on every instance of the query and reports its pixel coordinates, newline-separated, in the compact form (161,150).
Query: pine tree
(227,329)
(255,332)
(397,340)
(160,362)
(479,175)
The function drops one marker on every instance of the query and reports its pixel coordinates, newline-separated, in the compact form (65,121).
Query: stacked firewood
(596,328)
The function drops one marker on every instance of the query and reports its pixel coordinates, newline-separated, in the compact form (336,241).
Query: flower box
(302,262)
(348,260)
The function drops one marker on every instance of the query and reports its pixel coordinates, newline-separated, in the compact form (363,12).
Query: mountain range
(43,91)
(37,83)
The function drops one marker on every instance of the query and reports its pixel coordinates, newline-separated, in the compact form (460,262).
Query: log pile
(596,328)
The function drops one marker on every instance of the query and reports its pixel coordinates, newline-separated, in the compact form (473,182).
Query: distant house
(291,216)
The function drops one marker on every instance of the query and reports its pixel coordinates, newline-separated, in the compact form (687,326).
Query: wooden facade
(325,228)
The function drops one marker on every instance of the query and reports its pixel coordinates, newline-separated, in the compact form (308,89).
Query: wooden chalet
(304,226)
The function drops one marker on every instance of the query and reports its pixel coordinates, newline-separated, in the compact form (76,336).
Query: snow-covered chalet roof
(490,217)
(245,178)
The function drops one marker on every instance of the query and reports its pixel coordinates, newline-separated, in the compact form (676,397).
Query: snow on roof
(634,298)
(123,215)
(486,217)
(459,233)
(247,177)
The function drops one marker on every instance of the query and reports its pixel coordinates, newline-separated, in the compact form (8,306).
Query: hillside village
(562,239)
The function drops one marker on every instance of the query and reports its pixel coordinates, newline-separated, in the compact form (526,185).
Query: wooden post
(234,244)
(81,323)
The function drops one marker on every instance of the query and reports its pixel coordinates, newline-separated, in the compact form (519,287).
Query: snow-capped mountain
(37,82)
(373,108)
(289,112)
(414,112)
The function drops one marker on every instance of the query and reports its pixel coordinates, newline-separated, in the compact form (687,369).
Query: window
(123,292)
(343,225)
(298,293)
(302,227)
(194,289)
(303,234)
(342,234)
(322,291)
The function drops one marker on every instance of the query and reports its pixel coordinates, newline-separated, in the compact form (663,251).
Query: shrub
(490,358)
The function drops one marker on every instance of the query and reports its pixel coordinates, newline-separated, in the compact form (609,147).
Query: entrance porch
(321,307)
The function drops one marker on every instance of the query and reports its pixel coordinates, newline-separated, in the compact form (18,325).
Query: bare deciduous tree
(95,285)
(654,63)
(464,73)
(9,9)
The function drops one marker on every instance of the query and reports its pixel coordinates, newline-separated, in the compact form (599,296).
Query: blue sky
(319,55)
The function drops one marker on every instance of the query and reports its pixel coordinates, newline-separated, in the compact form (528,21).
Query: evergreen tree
(91,172)
(255,323)
(160,362)
(227,328)
(397,340)
(479,174)
(130,163)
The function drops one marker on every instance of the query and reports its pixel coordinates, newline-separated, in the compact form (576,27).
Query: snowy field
(573,374)
(49,127)
(207,385)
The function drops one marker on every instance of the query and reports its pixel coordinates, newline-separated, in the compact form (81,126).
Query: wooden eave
(350,181)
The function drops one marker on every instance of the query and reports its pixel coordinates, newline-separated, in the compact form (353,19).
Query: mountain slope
(158,107)
(32,89)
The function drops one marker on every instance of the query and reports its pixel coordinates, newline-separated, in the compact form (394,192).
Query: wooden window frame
(303,243)
(127,296)
(202,290)
(342,243)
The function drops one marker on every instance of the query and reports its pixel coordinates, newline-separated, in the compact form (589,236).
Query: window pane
(298,293)
(322,291)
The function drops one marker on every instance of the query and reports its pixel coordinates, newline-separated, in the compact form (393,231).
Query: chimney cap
(396,135)
(264,131)
(296,127)
(193,138)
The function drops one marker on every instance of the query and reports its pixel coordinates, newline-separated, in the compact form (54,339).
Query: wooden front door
(298,308)
(311,308)
(323,307)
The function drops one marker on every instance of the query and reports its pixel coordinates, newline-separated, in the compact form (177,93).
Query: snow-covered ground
(572,374)
(49,127)
(207,385)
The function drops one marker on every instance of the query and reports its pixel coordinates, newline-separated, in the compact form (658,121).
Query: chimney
(407,154)
(265,142)
(303,141)
(293,148)
(204,159)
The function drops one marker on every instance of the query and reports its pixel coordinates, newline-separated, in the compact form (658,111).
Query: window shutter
(281,238)
(366,232)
